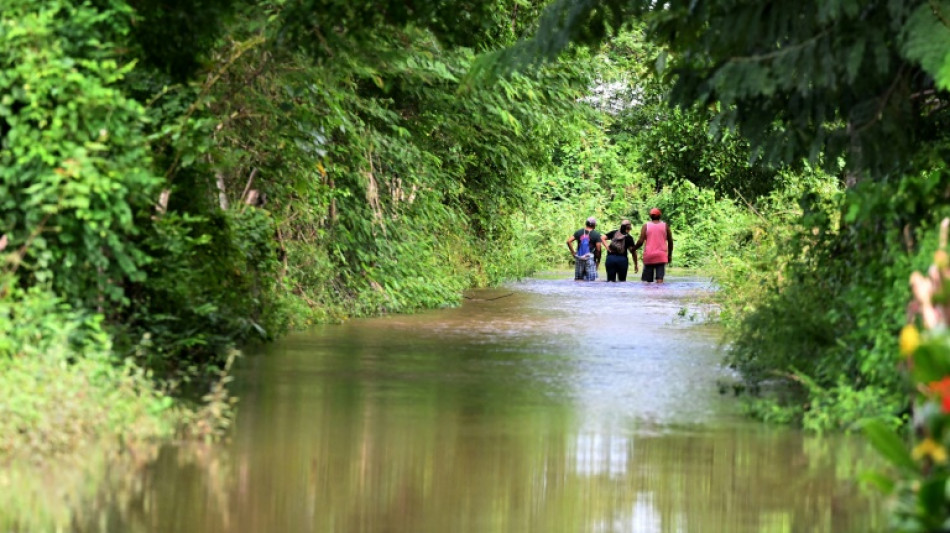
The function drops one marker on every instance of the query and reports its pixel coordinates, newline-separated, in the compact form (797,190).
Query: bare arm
(669,244)
(601,244)
(643,237)
(633,252)
(570,246)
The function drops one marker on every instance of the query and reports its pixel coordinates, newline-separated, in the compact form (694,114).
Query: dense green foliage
(203,191)
(75,161)
(61,390)
(640,153)
(179,178)
(188,178)
(293,163)
(857,89)
(817,80)
(194,177)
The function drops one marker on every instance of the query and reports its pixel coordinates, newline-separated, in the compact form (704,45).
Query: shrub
(61,389)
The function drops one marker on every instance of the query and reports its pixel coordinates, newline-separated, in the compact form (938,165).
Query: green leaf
(927,40)
(932,496)
(878,480)
(889,445)
(931,362)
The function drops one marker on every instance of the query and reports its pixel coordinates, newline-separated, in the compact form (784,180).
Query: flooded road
(542,406)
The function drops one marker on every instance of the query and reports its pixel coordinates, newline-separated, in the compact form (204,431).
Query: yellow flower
(929,448)
(941,259)
(909,340)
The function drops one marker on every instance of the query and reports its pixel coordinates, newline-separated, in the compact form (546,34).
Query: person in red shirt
(656,237)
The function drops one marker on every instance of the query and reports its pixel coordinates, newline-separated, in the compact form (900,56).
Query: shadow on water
(542,406)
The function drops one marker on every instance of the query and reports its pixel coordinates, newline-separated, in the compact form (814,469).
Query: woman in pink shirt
(657,241)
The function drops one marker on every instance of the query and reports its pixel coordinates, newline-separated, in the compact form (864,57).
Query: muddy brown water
(542,406)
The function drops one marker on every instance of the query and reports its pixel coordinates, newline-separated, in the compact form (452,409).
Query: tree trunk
(222,192)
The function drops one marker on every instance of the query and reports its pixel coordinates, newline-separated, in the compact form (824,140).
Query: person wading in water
(621,243)
(657,241)
(587,257)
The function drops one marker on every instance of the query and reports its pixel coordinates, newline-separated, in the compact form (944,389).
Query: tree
(817,79)
(857,87)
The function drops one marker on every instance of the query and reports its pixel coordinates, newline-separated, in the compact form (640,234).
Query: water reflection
(727,481)
(558,408)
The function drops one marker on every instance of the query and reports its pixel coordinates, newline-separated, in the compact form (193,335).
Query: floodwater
(542,406)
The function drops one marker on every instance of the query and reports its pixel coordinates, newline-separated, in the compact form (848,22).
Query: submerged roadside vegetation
(166,200)
(846,103)
(179,180)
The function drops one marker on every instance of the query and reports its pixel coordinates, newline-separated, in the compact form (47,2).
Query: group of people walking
(656,239)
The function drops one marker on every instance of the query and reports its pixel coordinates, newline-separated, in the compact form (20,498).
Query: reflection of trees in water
(428,442)
(459,463)
(138,497)
(59,492)
(733,481)
(378,429)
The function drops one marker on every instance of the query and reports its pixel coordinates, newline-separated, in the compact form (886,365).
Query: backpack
(618,243)
(583,247)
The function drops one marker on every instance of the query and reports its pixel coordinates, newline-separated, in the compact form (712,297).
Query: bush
(62,389)
(75,168)
(814,300)
(211,290)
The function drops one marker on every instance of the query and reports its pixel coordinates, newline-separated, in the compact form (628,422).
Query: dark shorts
(656,270)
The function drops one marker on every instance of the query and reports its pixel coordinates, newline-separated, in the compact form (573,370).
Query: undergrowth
(62,389)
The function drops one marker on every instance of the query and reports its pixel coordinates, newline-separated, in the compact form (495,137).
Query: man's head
(655,214)
(625,225)
(591,222)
